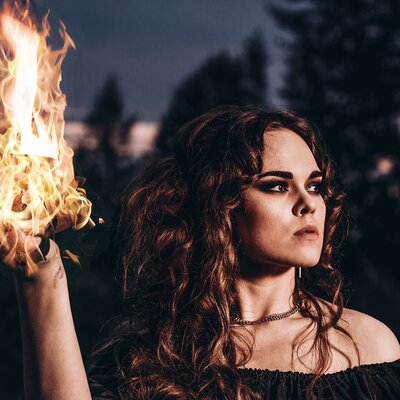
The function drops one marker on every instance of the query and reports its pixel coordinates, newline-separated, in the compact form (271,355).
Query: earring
(299,272)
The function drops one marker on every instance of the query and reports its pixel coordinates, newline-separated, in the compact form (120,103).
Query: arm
(53,366)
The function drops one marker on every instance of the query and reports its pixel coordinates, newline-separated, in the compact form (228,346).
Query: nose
(305,204)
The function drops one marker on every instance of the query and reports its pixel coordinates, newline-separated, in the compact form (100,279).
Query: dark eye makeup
(283,186)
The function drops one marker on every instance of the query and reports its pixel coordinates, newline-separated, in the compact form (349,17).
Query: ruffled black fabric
(379,381)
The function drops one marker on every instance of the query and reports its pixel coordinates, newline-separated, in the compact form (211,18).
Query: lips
(308,230)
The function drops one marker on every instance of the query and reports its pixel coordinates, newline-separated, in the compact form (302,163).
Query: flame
(36,170)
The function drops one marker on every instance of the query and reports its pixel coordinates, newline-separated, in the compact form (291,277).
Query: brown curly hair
(179,260)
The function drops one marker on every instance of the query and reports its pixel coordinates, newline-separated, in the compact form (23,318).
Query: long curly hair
(179,260)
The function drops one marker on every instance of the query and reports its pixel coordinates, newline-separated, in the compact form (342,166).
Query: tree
(104,120)
(344,70)
(106,124)
(222,79)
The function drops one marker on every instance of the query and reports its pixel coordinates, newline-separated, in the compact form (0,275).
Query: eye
(315,187)
(282,186)
(278,186)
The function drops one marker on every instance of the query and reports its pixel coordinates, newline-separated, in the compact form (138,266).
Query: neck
(265,290)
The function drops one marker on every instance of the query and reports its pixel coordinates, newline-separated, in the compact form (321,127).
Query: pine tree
(344,64)
(104,121)
(222,79)
(107,125)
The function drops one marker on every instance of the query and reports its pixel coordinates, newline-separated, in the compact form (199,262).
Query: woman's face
(285,200)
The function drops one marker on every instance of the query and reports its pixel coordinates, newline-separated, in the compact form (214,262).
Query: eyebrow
(288,175)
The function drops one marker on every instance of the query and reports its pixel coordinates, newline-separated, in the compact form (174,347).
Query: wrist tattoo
(59,274)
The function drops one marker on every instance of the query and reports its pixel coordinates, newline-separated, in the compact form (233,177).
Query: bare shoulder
(376,342)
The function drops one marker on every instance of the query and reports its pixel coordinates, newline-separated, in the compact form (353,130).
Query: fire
(36,170)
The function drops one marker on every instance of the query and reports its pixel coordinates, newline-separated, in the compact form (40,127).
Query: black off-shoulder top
(379,381)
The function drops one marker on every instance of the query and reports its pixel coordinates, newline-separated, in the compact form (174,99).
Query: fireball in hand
(36,169)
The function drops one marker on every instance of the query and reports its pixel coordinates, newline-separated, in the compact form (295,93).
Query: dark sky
(151,45)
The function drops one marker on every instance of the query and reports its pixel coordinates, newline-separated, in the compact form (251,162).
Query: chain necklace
(271,317)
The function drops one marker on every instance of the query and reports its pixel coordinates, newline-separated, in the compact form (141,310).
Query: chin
(307,258)
(310,264)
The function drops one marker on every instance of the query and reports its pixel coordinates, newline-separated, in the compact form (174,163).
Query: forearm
(53,366)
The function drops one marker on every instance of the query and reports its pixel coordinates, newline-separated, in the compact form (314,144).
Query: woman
(227,255)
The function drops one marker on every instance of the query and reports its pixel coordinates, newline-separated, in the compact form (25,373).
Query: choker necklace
(271,317)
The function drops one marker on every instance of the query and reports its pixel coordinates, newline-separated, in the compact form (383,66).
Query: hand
(25,254)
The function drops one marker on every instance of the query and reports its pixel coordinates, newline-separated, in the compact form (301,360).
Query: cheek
(321,216)
(266,230)
(263,226)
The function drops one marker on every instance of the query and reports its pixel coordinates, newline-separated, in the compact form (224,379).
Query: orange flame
(36,170)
